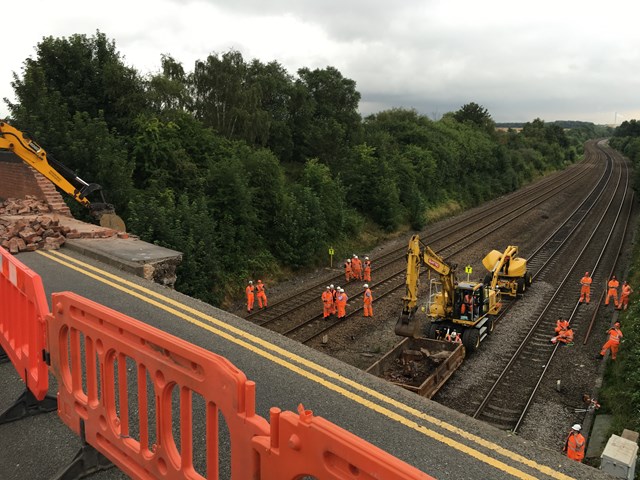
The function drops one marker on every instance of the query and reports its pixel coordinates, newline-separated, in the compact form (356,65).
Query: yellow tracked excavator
(30,152)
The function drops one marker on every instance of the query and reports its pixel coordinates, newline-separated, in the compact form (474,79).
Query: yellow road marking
(65,259)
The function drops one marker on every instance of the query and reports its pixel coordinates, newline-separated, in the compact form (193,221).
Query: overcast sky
(548,59)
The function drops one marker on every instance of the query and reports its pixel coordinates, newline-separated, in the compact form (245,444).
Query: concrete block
(619,457)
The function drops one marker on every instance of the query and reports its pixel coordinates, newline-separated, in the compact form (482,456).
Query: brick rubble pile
(34,231)
(25,206)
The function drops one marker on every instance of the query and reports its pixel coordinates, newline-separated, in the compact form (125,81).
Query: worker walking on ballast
(341,303)
(613,342)
(367,269)
(612,291)
(625,292)
(262,296)
(250,296)
(368,300)
(575,444)
(327,302)
(585,290)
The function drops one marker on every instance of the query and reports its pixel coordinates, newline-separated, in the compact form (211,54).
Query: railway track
(509,398)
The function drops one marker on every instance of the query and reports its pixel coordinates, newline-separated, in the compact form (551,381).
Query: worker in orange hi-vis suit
(334,294)
(612,291)
(356,267)
(561,324)
(262,296)
(348,270)
(585,290)
(250,296)
(613,342)
(367,300)
(564,336)
(341,303)
(327,302)
(575,443)
(624,295)
(367,270)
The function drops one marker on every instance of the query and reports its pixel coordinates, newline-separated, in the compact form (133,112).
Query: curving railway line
(605,214)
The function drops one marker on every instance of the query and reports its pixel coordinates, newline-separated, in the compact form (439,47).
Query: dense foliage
(253,171)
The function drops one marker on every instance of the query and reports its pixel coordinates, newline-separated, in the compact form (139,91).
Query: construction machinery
(507,271)
(30,152)
(466,308)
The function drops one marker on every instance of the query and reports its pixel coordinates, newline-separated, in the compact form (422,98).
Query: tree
(476,115)
(326,122)
(84,74)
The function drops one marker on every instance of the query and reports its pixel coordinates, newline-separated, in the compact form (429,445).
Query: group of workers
(255,290)
(612,291)
(334,301)
(356,269)
(575,443)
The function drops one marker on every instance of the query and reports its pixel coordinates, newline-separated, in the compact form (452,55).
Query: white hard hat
(366,285)
(250,282)
(356,256)
(341,290)
(331,285)
(366,258)
(328,287)
(577,427)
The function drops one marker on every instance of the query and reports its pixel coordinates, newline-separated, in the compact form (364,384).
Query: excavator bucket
(407,325)
(113,221)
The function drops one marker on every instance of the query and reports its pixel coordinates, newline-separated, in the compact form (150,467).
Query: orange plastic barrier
(303,445)
(23,309)
(102,359)
(96,352)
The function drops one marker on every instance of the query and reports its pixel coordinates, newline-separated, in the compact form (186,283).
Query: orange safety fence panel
(139,392)
(306,446)
(23,309)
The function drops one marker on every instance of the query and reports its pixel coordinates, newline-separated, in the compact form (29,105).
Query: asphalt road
(436,440)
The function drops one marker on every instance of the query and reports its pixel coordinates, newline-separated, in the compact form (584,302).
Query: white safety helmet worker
(328,287)
(331,285)
(366,285)
(250,282)
(355,256)
(577,427)
(366,258)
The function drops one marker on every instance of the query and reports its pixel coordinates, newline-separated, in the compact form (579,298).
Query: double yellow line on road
(312,371)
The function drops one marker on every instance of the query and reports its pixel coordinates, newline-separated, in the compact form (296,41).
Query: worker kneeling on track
(565,335)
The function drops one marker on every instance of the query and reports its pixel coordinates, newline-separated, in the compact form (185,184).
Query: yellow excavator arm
(407,326)
(33,154)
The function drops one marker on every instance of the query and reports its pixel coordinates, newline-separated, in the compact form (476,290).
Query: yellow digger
(507,271)
(466,308)
(30,152)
